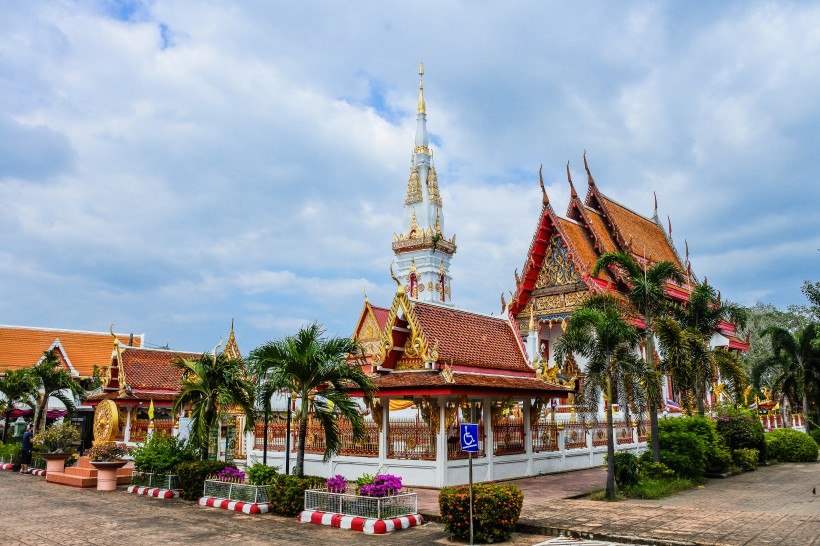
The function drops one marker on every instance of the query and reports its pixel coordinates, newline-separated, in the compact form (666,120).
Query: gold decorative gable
(368,334)
(417,349)
(231,349)
(558,269)
(413,188)
(432,187)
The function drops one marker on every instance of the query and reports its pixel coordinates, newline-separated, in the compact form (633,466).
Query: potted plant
(377,497)
(56,444)
(107,458)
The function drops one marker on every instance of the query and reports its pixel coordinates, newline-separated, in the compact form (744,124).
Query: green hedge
(740,429)
(746,459)
(287,493)
(260,474)
(11,453)
(192,476)
(496,509)
(789,445)
(815,433)
(716,457)
(162,453)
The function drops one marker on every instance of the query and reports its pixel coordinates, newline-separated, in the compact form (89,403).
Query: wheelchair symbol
(469,437)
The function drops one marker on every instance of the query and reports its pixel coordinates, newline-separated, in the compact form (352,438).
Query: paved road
(33,512)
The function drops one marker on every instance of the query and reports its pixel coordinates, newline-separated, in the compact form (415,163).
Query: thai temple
(435,365)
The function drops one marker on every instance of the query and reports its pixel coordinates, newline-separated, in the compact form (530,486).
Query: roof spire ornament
(398,282)
(590,180)
(655,215)
(422,108)
(517,278)
(532,318)
(544,198)
(503,304)
(669,221)
(571,187)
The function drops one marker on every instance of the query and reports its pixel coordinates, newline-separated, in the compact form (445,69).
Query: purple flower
(337,484)
(231,474)
(383,486)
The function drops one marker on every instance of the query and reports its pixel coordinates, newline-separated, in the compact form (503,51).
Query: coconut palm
(599,332)
(209,386)
(53,381)
(647,295)
(792,365)
(685,339)
(19,388)
(320,372)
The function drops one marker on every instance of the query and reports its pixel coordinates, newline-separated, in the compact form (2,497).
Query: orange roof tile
(22,347)
(599,227)
(581,243)
(151,369)
(381,315)
(470,339)
(641,231)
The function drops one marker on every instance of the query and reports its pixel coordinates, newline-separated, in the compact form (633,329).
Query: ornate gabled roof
(231,349)
(23,347)
(438,383)
(369,328)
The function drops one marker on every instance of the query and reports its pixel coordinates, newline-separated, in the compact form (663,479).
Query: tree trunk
(299,469)
(610,447)
(806,380)
(8,422)
(39,419)
(653,409)
(700,394)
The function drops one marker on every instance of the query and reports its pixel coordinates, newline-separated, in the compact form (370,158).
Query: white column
(383,434)
(127,435)
(486,404)
(525,413)
(441,443)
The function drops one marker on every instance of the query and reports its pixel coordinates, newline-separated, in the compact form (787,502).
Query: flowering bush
(231,474)
(192,476)
(740,429)
(383,485)
(496,509)
(60,438)
(108,452)
(337,484)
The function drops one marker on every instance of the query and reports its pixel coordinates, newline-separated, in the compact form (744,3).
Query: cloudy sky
(167,166)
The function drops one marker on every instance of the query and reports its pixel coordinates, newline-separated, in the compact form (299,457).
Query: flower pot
(55,462)
(107,474)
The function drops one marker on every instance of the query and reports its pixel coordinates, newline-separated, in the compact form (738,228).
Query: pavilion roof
(23,347)
(434,382)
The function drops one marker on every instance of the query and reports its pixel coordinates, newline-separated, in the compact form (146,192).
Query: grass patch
(599,495)
(656,488)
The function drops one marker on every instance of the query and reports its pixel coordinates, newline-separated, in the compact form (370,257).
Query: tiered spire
(422,241)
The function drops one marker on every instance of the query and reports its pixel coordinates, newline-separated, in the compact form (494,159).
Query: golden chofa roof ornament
(422,108)
(398,282)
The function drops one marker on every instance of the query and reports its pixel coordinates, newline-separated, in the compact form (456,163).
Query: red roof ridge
(459,310)
(69,331)
(158,350)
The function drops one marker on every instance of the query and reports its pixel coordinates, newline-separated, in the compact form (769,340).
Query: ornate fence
(544,436)
(575,436)
(508,436)
(454,443)
(623,432)
(368,447)
(315,438)
(139,428)
(599,435)
(409,439)
(350,504)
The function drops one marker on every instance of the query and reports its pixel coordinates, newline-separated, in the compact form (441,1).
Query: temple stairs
(85,475)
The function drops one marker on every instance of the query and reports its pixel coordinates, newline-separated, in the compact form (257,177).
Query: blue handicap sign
(469,437)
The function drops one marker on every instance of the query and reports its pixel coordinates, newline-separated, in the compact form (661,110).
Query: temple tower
(422,251)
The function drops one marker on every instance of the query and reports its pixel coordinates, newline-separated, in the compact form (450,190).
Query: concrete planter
(107,474)
(55,462)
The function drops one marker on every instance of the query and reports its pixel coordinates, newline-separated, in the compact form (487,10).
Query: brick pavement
(33,512)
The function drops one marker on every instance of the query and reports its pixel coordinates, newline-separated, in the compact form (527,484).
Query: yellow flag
(776,407)
(151,410)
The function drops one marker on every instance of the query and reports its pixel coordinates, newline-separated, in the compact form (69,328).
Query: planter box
(349,504)
(241,492)
(169,482)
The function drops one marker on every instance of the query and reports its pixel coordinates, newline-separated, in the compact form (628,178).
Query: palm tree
(19,388)
(794,360)
(54,381)
(599,332)
(209,386)
(685,340)
(647,294)
(308,364)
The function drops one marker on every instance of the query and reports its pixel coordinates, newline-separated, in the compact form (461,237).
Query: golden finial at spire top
(422,108)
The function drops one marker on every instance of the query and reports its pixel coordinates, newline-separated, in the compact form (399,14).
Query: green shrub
(789,445)
(10,453)
(716,457)
(260,474)
(496,509)
(746,459)
(656,488)
(654,470)
(815,433)
(162,453)
(287,493)
(192,476)
(740,429)
(60,438)
(683,452)
(627,469)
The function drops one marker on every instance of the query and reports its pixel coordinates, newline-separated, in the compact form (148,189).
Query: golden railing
(575,436)
(409,439)
(544,436)
(454,451)
(139,428)
(508,436)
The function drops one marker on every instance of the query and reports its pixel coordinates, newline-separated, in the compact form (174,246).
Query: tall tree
(686,342)
(599,332)
(647,294)
(53,381)
(19,388)
(308,365)
(209,386)
(792,366)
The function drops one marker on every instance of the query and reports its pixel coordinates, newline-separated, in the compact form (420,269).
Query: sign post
(469,443)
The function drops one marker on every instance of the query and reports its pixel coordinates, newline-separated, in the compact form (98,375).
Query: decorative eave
(429,240)
(418,341)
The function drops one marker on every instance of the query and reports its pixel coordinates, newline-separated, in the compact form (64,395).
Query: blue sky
(167,169)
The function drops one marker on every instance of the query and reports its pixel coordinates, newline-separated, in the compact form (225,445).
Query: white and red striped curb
(6,466)
(236,506)
(153,492)
(371,526)
(36,472)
